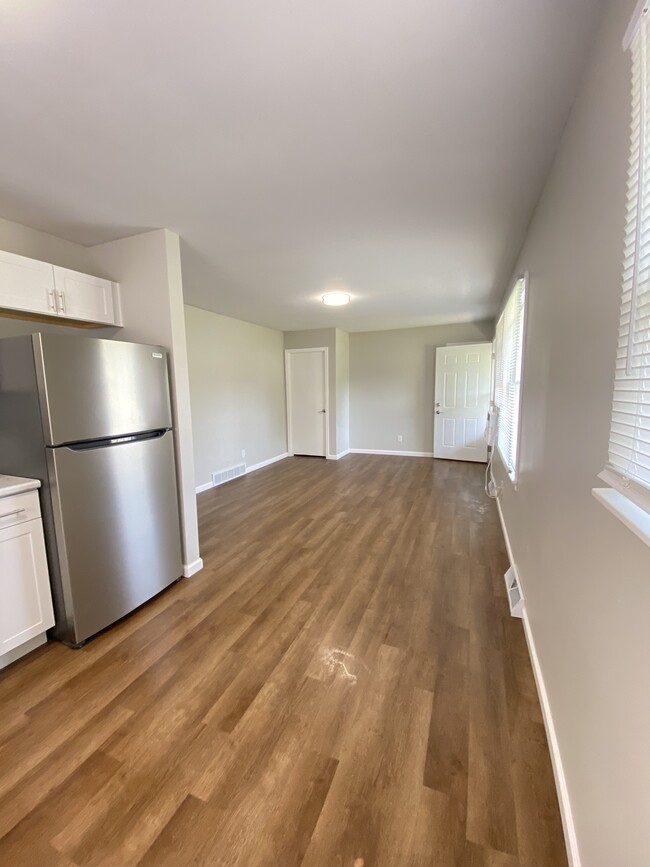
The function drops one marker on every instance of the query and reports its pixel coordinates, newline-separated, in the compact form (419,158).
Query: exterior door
(462,399)
(307,401)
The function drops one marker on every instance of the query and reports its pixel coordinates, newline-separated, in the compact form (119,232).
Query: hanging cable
(492,490)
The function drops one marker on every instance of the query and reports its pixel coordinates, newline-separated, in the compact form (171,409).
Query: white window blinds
(509,344)
(629,439)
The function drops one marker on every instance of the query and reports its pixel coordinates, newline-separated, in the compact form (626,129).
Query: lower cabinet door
(26,609)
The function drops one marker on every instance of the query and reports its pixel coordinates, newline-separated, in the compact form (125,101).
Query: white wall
(237,390)
(39,245)
(342,363)
(149,270)
(585,576)
(392,383)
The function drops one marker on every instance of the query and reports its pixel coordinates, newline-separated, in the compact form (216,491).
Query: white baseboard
(570,838)
(208,485)
(511,558)
(339,456)
(190,569)
(390,452)
(268,462)
(12,655)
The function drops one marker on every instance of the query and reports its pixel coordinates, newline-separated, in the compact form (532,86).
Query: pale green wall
(317,337)
(237,392)
(392,383)
(342,391)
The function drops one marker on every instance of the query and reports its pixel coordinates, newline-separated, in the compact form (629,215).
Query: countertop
(10,485)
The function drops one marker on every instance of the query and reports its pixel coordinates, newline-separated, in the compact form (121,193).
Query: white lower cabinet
(26,608)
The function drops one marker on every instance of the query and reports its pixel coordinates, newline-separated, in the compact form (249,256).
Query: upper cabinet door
(26,284)
(91,299)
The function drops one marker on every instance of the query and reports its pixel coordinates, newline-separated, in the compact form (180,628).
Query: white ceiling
(395,147)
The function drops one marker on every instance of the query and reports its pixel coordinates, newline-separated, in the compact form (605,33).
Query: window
(509,345)
(628,465)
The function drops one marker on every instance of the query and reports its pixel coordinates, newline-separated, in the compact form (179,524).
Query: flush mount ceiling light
(335,299)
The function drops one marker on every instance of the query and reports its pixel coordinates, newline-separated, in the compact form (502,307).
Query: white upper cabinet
(79,296)
(26,284)
(40,289)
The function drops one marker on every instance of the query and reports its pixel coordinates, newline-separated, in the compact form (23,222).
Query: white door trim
(287,374)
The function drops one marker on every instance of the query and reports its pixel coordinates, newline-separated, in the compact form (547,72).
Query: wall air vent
(227,475)
(515,598)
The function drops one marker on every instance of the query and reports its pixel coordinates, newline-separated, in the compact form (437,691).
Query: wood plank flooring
(341,686)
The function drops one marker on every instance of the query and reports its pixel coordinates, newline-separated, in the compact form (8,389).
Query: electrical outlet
(243,453)
(399,438)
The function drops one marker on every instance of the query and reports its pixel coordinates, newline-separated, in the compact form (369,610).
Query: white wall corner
(339,456)
(148,268)
(570,837)
(190,569)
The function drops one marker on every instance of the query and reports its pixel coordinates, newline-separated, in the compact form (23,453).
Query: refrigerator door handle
(109,442)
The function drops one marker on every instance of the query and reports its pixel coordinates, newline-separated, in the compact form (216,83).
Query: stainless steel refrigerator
(91,419)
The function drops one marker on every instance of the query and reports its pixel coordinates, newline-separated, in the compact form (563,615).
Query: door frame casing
(287,375)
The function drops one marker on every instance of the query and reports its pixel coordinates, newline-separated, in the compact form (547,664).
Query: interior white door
(307,401)
(462,399)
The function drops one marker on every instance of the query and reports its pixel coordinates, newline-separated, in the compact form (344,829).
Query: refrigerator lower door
(117,528)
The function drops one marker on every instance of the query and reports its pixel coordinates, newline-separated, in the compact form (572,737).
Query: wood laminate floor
(341,686)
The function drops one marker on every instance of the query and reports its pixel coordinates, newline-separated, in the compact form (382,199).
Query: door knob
(322,410)
(438,411)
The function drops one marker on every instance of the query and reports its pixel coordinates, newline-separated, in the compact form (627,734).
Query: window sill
(512,475)
(634,517)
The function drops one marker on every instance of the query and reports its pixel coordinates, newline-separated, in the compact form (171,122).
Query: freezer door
(91,388)
(117,528)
